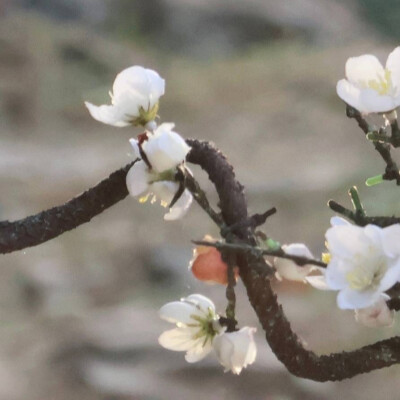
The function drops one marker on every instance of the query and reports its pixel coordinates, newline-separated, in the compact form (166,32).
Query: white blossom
(196,326)
(236,350)
(164,150)
(364,263)
(377,315)
(134,100)
(288,269)
(145,184)
(368,86)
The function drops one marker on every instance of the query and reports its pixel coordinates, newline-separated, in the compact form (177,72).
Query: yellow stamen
(383,84)
(326,258)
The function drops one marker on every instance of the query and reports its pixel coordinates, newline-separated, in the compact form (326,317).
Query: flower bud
(207,265)
(236,350)
(136,92)
(378,315)
(288,269)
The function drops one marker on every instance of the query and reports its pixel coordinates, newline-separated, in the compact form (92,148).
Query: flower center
(367,274)
(207,326)
(382,85)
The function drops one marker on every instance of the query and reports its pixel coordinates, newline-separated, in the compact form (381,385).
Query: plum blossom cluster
(198,332)
(160,155)
(159,150)
(362,262)
(369,87)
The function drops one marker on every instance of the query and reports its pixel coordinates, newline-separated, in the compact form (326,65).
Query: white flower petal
(137,178)
(377,315)
(335,274)
(288,269)
(297,249)
(363,69)
(318,282)
(391,240)
(338,221)
(200,301)
(140,84)
(164,190)
(165,149)
(178,312)
(198,352)
(352,299)
(373,102)
(135,147)
(236,350)
(390,278)
(374,234)
(346,240)
(180,208)
(177,339)
(245,349)
(110,115)
(393,65)
(350,94)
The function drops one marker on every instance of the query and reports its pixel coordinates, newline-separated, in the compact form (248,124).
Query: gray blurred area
(78,315)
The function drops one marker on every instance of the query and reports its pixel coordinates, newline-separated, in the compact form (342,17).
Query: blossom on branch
(288,269)
(134,100)
(236,350)
(377,315)
(207,265)
(153,177)
(164,148)
(368,86)
(196,326)
(364,264)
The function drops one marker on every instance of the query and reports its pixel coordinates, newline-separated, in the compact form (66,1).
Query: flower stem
(257,251)
(230,290)
(355,199)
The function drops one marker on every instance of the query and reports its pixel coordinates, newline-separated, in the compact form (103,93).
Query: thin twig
(391,170)
(362,220)
(198,194)
(258,251)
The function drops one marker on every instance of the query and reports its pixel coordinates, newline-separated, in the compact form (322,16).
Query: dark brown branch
(394,304)
(47,225)
(283,341)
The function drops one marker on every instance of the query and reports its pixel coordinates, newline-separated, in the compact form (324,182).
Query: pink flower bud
(207,265)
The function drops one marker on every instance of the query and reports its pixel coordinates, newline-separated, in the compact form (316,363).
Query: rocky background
(78,315)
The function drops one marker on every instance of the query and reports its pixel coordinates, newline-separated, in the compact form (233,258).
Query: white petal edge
(350,94)
(393,65)
(136,179)
(352,299)
(180,208)
(201,301)
(178,312)
(110,115)
(363,68)
(198,352)
(318,282)
(177,339)
(391,240)
(373,102)
(135,147)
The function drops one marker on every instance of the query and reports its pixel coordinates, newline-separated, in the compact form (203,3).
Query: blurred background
(78,315)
